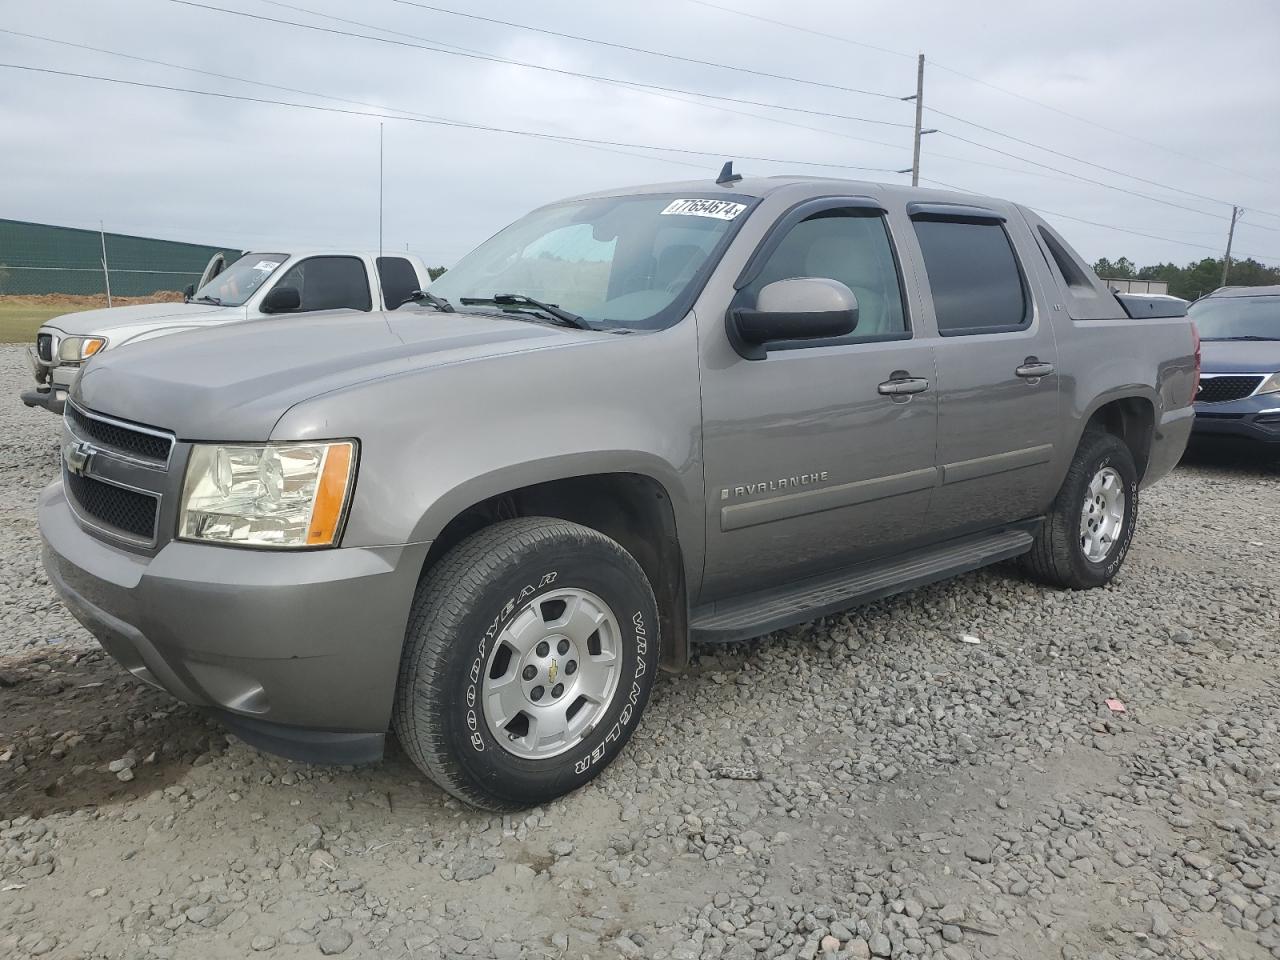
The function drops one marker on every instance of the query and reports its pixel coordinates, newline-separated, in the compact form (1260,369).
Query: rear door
(809,463)
(997,380)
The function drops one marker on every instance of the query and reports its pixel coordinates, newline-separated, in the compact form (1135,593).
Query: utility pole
(1231,232)
(106,273)
(915,153)
(918,97)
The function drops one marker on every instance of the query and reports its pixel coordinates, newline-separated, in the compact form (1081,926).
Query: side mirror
(188,292)
(281,300)
(806,308)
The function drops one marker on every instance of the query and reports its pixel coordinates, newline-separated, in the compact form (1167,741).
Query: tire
(1060,556)
(465,703)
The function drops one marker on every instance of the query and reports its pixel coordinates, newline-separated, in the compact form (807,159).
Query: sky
(1184,96)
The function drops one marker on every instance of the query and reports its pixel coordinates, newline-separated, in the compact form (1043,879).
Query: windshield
(1223,318)
(617,262)
(236,284)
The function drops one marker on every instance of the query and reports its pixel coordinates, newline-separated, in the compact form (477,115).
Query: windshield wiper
(1251,337)
(517,300)
(429,298)
(205,298)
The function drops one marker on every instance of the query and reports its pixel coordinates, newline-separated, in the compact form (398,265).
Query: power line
(1068,156)
(793,26)
(1094,123)
(646,51)
(1095,223)
(638,87)
(298,90)
(440,122)
(472,55)
(1077,176)
(985,83)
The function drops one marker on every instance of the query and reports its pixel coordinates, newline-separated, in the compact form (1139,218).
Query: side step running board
(764,612)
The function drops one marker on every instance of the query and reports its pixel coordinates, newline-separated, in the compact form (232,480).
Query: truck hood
(1240,356)
(234,382)
(113,322)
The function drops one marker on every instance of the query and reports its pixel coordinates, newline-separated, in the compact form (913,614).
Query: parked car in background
(1239,392)
(256,285)
(695,411)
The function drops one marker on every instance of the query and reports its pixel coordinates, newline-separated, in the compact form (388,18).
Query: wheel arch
(633,507)
(1132,418)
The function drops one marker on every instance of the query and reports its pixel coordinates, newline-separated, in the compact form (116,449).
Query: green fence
(37,258)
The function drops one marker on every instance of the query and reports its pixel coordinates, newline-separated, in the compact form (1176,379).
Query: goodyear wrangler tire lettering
(475,612)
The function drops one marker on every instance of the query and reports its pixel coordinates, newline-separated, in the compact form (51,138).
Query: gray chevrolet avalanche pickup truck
(630,421)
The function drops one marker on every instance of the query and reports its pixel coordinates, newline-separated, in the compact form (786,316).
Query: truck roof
(761,187)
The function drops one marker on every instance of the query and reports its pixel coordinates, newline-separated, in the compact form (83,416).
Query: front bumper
(297,651)
(51,398)
(1253,418)
(53,383)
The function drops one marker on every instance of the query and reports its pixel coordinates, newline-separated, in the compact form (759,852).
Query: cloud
(255,175)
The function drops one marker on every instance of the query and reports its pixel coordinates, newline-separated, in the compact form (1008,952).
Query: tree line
(1195,279)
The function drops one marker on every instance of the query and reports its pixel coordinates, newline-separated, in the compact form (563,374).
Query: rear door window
(330,283)
(974,276)
(398,279)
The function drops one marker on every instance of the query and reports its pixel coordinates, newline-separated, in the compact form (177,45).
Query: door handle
(1033,369)
(901,386)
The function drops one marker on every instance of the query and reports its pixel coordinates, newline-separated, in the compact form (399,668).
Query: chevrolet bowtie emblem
(76,455)
(552,671)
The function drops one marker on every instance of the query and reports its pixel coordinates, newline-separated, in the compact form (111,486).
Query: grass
(20,318)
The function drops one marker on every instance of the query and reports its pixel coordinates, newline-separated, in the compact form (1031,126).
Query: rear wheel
(1089,528)
(529,657)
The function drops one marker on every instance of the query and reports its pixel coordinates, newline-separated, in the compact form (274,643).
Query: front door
(997,383)
(810,463)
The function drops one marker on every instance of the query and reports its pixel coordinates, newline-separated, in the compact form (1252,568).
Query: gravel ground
(867,785)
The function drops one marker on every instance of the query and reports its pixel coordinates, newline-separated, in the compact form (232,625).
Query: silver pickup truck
(255,286)
(633,420)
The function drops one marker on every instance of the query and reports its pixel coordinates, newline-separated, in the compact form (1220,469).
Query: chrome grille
(145,443)
(44,347)
(115,474)
(1224,388)
(129,511)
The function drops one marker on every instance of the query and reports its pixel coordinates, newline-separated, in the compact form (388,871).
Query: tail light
(1195,342)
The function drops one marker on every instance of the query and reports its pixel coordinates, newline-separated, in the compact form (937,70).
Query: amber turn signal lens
(91,346)
(331,495)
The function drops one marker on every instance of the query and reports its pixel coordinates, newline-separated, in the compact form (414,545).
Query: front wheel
(530,653)
(1089,528)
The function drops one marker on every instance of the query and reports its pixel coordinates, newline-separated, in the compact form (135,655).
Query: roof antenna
(727,175)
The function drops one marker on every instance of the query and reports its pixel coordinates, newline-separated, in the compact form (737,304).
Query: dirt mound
(89,300)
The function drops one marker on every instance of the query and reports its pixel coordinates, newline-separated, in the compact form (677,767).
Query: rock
(880,946)
(322,860)
(859,949)
(978,851)
(951,913)
(334,941)
(829,944)
(262,943)
(473,870)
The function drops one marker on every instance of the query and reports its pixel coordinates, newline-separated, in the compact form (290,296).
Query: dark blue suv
(1239,392)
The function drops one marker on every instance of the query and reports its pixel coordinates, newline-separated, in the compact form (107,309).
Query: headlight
(1270,385)
(267,495)
(75,349)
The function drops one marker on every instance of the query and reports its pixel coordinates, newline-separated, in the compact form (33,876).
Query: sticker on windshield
(717,209)
(266,266)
